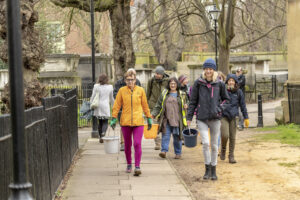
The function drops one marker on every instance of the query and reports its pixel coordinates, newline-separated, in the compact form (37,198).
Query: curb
(180,179)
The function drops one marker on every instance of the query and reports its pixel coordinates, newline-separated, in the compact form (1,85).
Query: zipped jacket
(160,109)
(236,100)
(133,103)
(209,98)
(155,88)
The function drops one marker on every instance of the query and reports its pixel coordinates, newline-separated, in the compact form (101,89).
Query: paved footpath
(102,176)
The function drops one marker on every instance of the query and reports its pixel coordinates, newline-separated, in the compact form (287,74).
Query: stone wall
(60,70)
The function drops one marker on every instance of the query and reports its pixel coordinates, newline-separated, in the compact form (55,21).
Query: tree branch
(260,37)
(100,6)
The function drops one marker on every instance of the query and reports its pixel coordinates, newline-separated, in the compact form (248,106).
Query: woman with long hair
(106,100)
(170,111)
(210,97)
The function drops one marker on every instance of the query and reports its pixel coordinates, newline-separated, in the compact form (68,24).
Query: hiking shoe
(128,168)
(177,156)
(157,147)
(137,171)
(100,140)
(122,147)
(162,154)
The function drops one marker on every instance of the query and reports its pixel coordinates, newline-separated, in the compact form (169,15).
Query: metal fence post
(20,187)
(260,112)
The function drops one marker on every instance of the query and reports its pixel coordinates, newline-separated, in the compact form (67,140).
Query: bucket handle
(108,130)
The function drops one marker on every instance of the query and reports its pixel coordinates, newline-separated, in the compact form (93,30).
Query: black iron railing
(52,140)
(294,103)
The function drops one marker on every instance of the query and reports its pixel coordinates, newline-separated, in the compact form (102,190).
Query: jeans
(137,133)
(102,127)
(210,157)
(165,141)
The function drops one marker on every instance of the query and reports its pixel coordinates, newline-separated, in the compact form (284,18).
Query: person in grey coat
(106,99)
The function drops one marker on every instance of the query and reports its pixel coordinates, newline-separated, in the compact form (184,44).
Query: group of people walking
(171,103)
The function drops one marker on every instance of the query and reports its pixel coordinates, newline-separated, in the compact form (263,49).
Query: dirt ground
(264,171)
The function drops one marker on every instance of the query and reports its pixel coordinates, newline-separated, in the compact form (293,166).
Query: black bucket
(190,137)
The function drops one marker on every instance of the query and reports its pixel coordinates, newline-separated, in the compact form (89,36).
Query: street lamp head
(215,13)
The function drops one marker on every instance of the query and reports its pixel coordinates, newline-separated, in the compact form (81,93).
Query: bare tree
(163,29)
(120,18)
(252,20)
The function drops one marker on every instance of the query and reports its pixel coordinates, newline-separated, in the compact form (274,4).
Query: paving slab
(98,175)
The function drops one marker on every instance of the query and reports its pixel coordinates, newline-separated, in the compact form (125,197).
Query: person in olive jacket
(170,111)
(155,87)
(210,97)
(228,122)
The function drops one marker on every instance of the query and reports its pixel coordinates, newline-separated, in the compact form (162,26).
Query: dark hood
(229,76)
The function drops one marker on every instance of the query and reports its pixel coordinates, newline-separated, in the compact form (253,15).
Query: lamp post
(94,120)
(215,13)
(20,186)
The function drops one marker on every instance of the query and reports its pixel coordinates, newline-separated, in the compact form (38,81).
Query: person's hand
(188,123)
(185,106)
(246,122)
(113,123)
(149,123)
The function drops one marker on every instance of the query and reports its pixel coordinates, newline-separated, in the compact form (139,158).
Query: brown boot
(231,152)
(231,159)
(223,153)
(162,154)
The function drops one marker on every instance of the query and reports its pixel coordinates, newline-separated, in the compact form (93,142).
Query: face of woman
(231,83)
(130,81)
(185,82)
(173,86)
(209,72)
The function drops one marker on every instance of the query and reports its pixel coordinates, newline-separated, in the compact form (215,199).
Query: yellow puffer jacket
(133,104)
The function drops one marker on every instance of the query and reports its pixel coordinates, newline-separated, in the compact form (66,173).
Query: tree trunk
(223,61)
(123,53)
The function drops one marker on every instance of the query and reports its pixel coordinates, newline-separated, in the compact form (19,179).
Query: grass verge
(286,134)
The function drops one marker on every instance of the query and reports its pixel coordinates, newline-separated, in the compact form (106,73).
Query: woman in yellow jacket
(133,101)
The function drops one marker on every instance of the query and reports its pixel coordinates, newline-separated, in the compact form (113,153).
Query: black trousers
(102,127)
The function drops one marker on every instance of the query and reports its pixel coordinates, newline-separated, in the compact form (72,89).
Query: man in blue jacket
(210,97)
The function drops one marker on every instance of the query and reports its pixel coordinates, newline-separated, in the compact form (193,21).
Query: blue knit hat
(210,63)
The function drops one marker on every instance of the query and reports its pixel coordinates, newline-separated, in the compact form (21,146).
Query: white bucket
(111,144)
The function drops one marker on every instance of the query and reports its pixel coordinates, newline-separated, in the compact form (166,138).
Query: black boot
(207,174)
(213,173)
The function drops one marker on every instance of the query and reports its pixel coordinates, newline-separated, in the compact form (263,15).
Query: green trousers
(228,130)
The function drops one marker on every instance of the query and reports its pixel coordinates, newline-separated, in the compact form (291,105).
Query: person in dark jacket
(121,83)
(228,122)
(210,97)
(155,87)
(184,85)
